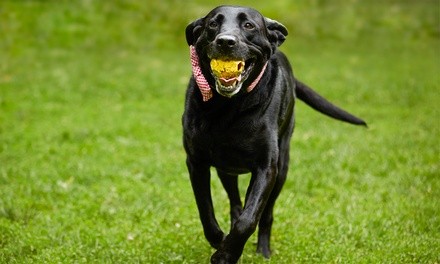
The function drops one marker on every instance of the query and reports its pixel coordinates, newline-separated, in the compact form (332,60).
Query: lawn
(91,161)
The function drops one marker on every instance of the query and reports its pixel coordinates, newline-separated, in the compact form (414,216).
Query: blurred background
(91,161)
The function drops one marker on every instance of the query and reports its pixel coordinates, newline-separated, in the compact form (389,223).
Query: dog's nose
(226,41)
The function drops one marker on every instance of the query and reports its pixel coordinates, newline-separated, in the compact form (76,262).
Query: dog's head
(233,45)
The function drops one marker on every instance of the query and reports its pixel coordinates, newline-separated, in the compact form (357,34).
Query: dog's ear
(276,32)
(194,30)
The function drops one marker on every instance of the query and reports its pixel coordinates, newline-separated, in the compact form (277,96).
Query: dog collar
(203,84)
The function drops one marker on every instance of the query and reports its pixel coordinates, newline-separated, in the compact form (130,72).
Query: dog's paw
(221,257)
(264,250)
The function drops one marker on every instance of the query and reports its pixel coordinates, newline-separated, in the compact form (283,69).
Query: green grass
(92,166)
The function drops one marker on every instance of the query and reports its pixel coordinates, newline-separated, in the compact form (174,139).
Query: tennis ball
(227,69)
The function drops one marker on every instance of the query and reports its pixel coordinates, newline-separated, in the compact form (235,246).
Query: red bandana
(203,83)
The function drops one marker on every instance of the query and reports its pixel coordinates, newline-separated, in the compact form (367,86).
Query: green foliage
(91,163)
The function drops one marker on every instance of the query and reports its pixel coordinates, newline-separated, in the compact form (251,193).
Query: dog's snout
(226,41)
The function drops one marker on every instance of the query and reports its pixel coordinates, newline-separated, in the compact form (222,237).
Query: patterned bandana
(203,84)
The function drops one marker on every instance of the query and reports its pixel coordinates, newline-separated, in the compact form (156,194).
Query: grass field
(92,166)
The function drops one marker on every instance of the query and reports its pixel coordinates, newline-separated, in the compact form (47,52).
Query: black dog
(242,123)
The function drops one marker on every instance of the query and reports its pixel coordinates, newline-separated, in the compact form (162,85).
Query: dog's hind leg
(230,183)
(200,180)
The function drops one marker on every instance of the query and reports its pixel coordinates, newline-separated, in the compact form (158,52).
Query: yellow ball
(227,69)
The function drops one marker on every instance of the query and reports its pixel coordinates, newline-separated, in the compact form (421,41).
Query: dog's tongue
(230,81)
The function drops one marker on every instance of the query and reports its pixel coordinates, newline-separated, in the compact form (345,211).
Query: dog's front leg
(200,176)
(258,193)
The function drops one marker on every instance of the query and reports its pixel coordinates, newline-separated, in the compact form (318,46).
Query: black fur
(246,132)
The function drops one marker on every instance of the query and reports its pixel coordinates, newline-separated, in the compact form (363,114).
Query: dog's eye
(248,25)
(213,24)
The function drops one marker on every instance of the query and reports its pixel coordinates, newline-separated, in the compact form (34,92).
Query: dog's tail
(319,103)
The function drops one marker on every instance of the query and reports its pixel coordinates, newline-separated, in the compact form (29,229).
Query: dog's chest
(232,146)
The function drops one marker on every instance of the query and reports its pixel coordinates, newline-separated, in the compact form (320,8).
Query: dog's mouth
(229,74)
